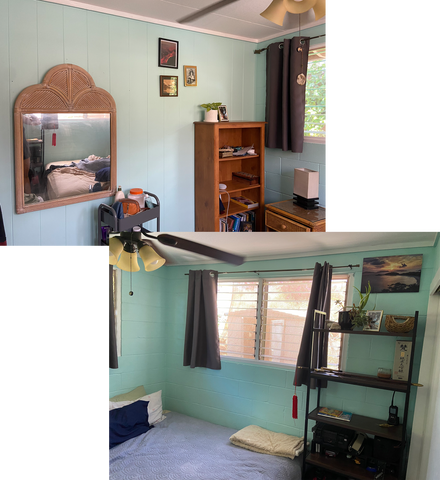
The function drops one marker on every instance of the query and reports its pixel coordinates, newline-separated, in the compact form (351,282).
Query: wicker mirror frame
(65,88)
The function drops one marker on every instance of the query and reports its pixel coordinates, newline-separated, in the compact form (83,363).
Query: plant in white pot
(211,111)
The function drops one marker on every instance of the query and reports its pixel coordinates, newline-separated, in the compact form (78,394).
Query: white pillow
(154,407)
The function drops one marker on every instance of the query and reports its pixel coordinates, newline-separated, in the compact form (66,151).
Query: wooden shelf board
(364,332)
(235,208)
(343,466)
(363,424)
(363,380)
(232,186)
(237,157)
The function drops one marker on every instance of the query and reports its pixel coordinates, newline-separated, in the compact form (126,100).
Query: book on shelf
(245,202)
(334,413)
(245,177)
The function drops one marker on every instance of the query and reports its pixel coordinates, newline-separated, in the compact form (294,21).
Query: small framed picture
(223,113)
(376,319)
(168,86)
(190,76)
(246,226)
(168,53)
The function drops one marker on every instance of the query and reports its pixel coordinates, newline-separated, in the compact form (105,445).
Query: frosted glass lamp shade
(115,249)
(275,12)
(128,262)
(151,259)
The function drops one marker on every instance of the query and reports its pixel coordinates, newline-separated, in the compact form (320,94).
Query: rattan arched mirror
(65,141)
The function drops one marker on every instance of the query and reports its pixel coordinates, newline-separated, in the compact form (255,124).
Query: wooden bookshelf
(211,170)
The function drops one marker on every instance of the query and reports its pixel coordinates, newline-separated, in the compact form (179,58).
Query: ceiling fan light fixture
(128,260)
(152,261)
(303,6)
(115,248)
(275,12)
(319,9)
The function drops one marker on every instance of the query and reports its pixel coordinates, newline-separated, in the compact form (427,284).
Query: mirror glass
(65,155)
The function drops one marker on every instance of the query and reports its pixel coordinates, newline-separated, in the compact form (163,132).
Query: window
(314,127)
(264,319)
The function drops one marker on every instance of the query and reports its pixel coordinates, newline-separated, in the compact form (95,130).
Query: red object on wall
(54,139)
(295,406)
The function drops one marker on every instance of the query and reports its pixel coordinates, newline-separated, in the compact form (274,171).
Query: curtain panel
(320,296)
(201,348)
(113,347)
(285,97)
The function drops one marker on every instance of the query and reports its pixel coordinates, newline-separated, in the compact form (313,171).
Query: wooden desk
(287,216)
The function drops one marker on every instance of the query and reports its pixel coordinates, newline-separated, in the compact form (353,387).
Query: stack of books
(226,152)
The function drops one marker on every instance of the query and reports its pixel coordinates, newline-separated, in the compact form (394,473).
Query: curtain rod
(311,38)
(288,270)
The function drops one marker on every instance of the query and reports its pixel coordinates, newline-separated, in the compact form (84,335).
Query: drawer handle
(283,227)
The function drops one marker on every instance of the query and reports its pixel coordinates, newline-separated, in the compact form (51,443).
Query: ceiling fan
(275,12)
(205,11)
(125,246)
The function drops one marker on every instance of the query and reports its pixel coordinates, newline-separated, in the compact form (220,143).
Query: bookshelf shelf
(210,171)
(359,423)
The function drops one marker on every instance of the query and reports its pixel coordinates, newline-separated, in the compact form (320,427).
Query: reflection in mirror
(65,141)
(65,154)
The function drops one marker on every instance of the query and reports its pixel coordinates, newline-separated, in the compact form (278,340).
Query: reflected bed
(78,177)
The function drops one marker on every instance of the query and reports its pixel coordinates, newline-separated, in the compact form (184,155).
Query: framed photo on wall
(169,86)
(190,76)
(168,53)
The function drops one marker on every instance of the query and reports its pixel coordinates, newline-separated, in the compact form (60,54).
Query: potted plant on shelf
(344,318)
(211,111)
(356,316)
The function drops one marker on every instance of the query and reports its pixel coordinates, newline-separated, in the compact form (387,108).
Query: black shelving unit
(107,216)
(360,423)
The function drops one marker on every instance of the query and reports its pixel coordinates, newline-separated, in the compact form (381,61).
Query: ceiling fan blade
(205,11)
(182,243)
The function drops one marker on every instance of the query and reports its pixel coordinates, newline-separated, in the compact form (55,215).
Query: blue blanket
(185,448)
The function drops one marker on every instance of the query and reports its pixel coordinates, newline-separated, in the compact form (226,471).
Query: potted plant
(211,111)
(344,318)
(356,315)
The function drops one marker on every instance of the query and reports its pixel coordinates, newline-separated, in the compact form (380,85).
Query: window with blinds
(237,305)
(264,319)
(315,95)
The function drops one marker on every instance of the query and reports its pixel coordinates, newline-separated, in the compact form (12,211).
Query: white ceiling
(267,246)
(240,19)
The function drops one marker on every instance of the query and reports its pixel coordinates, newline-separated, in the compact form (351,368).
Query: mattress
(185,448)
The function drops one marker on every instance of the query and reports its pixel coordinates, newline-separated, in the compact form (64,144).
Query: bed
(67,179)
(184,448)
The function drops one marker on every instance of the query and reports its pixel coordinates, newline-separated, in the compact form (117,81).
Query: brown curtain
(319,300)
(113,346)
(201,347)
(285,97)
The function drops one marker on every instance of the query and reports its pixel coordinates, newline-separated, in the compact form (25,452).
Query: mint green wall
(155,134)
(144,333)
(242,393)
